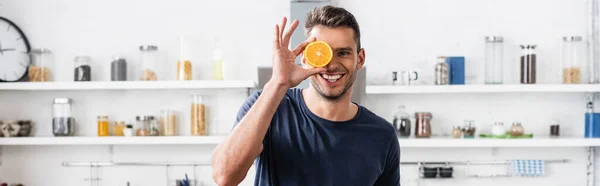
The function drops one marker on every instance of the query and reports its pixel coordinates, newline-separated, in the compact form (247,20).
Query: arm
(391,171)
(233,157)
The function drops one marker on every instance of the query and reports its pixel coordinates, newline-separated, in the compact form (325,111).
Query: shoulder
(384,126)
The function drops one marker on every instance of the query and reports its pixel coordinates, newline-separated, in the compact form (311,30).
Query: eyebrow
(343,49)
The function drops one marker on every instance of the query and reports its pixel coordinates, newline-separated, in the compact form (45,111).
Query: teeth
(332,77)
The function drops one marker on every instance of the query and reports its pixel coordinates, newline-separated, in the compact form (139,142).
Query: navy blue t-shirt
(303,149)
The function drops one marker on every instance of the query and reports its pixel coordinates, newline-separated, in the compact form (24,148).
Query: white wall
(405,34)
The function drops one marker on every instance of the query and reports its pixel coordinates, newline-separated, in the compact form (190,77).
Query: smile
(332,77)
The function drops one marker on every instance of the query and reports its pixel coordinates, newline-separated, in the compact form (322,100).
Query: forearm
(234,156)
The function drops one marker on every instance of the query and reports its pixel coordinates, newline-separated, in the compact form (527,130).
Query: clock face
(14,52)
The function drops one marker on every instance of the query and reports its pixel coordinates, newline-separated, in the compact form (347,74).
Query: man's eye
(343,53)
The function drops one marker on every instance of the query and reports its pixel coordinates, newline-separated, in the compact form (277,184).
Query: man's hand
(285,72)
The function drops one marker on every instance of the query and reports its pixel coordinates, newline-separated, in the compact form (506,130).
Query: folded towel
(528,168)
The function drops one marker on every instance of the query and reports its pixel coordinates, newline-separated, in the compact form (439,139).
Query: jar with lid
(118,129)
(401,122)
(83,70)
(184,65)
(63,122)
(103,125)
(573,53)
(168,123)
(517,129)
(118,69)
(528,64)
(423,124)
(148,57)
(442,71)
(494,59)
(469,129)
(198,113)
(42,65)
(146,126)
(457,131)
(498,129)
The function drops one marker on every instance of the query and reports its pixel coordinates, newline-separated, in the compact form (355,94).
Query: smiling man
(315,136)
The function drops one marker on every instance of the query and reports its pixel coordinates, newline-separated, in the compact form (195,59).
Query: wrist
(276,87)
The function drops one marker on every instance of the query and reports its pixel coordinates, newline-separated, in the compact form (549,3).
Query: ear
(361,59)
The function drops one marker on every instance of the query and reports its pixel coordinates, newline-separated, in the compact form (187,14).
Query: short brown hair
(332,17)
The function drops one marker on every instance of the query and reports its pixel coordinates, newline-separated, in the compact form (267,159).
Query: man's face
(346,61)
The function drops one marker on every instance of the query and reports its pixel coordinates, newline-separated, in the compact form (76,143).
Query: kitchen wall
(406,34)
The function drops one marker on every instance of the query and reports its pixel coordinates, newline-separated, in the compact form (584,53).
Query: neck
(333,110)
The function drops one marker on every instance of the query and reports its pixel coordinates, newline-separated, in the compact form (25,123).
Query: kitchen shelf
(213,140)
(505,88)
(128,85)
(113,140)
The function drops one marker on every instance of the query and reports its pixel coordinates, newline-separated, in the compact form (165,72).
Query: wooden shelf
(127,85)
(516,88)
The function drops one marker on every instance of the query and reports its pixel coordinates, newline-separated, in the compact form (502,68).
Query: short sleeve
(246,106)
(391,171)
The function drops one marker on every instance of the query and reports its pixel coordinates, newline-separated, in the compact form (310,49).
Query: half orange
(318,54)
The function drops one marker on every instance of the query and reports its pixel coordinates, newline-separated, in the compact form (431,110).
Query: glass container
(168,123)
(517,129)
(63,122)
(423,124)
(494,59)
(198,113)
(457,131)
(573,53)
(498,129)
(146,126)
(528,64)
(103,129)
(442,71)
(148,58)
(118,128)
(42,64)
(184,65)
(401,122)
(83,68)
(118,69)
(469,129)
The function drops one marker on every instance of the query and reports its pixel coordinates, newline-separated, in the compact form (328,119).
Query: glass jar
(423,124)
(184,65)
(517,129)
(63,122)
(103,125)
(42,63)
(494,59)
(198,113)
(573,53)
(118,129)
(528,64)
(146,126)
(168,123)
(83,70)
(457,131)
(442,71)
(401,122)
(118,69)
(469,129)
(498,129)
(148,58)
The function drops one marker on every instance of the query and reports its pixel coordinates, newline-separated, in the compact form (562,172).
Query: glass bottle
(402,122)
(592,120)
(217,62)
(148,57)
(168,122)
(442,71)
(423,124)
(184,65)
(103,125)
(528,64)
(42,63)
(83,70)
(494,59)
(572,58)
(198,113)
(63,122)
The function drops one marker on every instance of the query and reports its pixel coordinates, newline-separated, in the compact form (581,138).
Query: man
(314,136)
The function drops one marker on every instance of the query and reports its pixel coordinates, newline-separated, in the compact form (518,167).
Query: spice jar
(103,125)
(517,129)
(494,59)
(572,58)
(118,69)
(83,70)
(184,65)
(469,129)
(168,123)
(148,55)
(128,131)
(118,129)
(146,126)
(498,129)
(423,124)
(456,131)
(198,116)
(41,66)
(528,64)
(401,122)
(63,122)
(442,71)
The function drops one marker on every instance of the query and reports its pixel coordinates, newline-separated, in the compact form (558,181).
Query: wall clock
(14,52)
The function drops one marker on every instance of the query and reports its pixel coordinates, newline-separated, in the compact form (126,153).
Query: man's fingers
(288,33)
(276,38)
(282,28)
(300,48)
(312,71)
